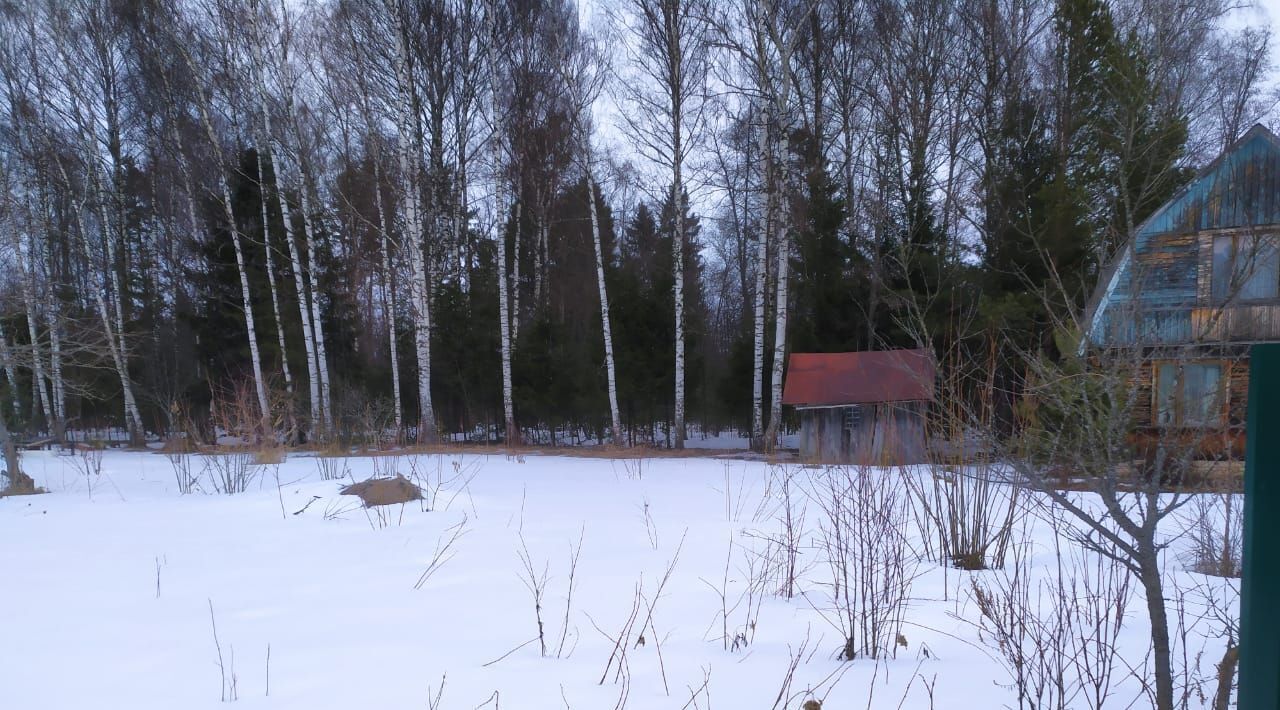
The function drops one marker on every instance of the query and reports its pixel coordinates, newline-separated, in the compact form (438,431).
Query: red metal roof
(832,379)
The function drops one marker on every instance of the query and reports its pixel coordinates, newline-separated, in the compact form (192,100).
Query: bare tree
(410,151)
(669,49)
(584,76)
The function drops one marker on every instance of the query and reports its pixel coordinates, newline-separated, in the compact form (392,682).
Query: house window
(1188,394)
(1245,268)
(852,418)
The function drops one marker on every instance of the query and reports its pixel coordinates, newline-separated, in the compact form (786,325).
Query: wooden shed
(861,407)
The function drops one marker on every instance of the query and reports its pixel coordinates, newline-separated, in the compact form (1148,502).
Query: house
(1197,283)
(863,407)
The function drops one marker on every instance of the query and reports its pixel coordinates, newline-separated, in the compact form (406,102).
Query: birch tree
(584,79)
(202,95)
(410,152)
(669,49)
(498,210)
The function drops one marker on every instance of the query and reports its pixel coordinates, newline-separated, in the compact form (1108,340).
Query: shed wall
(886,434)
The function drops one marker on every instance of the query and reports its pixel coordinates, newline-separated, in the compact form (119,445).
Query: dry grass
(384,491)
(269,455)
(591,452)
(179,445)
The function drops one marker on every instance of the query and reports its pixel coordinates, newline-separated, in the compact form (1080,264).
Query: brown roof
(832,379)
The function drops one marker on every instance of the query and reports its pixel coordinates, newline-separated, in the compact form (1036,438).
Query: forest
(534,221)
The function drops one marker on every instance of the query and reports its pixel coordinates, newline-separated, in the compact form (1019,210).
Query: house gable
(1151,288)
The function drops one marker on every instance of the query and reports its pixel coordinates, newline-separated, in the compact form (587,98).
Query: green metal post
(1260,587)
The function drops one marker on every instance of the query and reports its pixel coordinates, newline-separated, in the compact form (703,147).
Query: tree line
(530,220)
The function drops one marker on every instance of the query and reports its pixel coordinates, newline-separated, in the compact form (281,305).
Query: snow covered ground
(110,596)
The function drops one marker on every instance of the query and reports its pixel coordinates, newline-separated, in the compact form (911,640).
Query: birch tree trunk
(389,295)
(115,331)
(228,210)
(53,312)
(779,338)
(512,434)
(295,259)
(419,290)
(251,330)
(515,271)
(59,389)
(762,269)
(271,272)
(322,356)
(304,307)
(37,362)
(677,248)
(778,196)
(132,416)
(615,420)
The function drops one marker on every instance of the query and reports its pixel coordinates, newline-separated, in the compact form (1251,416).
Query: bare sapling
(535,581)
(632,635)
(434,698)
(228,689)
(739,609)
(965,504)
(864,513)
(88,463)
(785,507)
(1057,629)
(1026,621)
(231,471)
(699,695)
(575,553)
(184,473)
(333,465)
(1216,533)
(444,551)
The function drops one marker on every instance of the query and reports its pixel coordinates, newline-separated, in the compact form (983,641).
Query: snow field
(329,588)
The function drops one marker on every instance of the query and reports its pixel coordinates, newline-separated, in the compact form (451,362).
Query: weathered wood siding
(1162,293)
(886,435)
(1227,440)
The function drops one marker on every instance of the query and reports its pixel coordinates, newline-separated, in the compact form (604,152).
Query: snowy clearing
(112,594)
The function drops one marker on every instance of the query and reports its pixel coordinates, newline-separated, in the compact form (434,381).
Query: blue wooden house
(1197,283)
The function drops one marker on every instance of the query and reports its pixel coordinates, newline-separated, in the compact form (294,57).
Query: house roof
(834,379)
(1237,189)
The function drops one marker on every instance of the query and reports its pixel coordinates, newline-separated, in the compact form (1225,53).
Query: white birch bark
(389,294)
(322,356)
(251,330)
(615,420)
(778,196)
(779,337)
(132,416)
(295,259)
(304,308)
(515,271)
(757,349)
(38,377)
(271,272)
(499,224)
(677,249)
(59,389)
(114,331)
(53,312)
(419,290)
